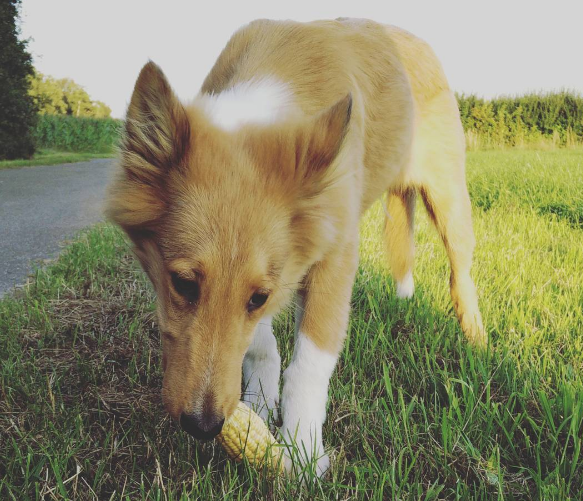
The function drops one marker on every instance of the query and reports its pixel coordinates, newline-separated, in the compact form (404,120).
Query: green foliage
(17,115)
(553,119)
(69,133)
(64,97)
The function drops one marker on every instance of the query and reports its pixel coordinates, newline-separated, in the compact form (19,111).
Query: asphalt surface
(40,207)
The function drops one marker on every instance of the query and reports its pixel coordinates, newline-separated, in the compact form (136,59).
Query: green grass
(52,157)
(542,182)
(414,413)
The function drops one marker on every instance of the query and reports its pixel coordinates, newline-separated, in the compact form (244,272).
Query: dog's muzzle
(201,427)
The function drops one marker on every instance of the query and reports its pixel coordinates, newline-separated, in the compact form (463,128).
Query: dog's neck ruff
(261,101)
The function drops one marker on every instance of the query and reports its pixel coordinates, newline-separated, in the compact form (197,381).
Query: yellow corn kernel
(245,434)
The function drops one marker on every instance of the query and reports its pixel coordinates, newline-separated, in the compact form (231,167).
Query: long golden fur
(275,207)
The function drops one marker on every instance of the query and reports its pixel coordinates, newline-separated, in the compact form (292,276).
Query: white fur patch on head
(260,101)
(406,287)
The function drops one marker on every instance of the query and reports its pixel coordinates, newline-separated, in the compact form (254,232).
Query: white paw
(303,401)
(262,405)
(406,287)
(304,463)
(261,370)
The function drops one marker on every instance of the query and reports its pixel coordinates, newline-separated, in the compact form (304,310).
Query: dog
(250,196)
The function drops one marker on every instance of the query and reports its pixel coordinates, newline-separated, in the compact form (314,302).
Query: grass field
(52,157)
(413,412)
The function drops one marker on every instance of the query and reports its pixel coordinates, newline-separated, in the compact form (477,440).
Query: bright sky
(488,47)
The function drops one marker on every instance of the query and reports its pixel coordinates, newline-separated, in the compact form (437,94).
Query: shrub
(541,120)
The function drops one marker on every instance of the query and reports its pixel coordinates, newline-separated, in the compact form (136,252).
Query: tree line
(554,118)
(64,97)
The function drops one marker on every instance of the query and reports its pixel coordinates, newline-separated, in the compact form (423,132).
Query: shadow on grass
(479,419)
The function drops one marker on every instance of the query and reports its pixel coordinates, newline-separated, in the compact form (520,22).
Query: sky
(487,47)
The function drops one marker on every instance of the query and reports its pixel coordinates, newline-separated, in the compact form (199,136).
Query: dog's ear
(321,142)
(157,130)
(300,151)
(155,140)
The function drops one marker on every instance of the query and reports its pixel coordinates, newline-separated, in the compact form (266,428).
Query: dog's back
(405,134)
(393,76)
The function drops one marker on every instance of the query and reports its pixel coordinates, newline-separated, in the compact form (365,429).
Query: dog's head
(225,225)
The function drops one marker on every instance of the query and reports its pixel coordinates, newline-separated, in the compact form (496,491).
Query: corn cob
(245,434)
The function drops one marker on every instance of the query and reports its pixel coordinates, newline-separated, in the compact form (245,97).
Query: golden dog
(253,192)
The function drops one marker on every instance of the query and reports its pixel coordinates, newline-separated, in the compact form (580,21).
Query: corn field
(68,133)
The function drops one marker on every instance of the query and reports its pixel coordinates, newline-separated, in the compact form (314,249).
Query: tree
(64,97)
(17,110)
(47,95)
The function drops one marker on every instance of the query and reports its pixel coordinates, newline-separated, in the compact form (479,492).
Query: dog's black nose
(201,427)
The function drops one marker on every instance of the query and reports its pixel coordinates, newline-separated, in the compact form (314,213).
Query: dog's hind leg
(448,204)
(399,239)
(441,181)
(261,370)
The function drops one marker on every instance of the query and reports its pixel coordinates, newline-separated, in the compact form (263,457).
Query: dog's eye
(257,301)
(189,289)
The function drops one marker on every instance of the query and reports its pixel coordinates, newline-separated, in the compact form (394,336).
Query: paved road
(42,206)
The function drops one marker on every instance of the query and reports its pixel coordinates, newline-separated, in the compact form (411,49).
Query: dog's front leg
(261,369)
(321,323)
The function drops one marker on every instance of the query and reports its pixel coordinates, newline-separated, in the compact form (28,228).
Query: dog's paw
(261,370)
(406,287)
(265,407)
(297,465)
(305,461)
(473,330)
